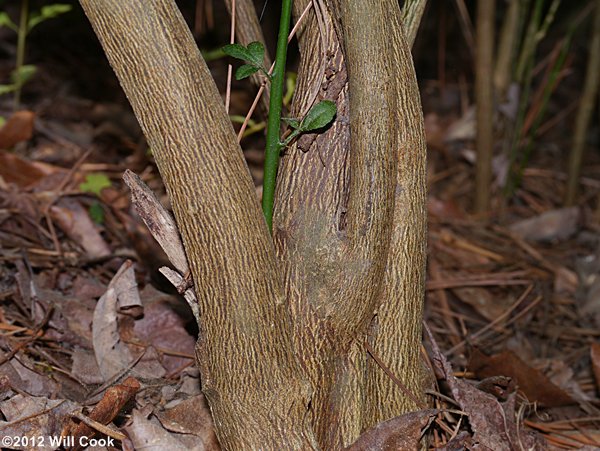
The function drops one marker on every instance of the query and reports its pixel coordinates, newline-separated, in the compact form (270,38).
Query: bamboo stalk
(485,103)
(588,100)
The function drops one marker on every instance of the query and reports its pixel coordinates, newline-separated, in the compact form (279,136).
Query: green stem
(273,147)
(22,34)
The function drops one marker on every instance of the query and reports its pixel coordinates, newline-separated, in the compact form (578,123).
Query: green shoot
(95,183)
(318,117)
(253,55)
(96,212)
(290,87)
(22,73)
(253,126)
(273,147)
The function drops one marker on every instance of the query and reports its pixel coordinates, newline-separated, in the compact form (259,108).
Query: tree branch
(245,332)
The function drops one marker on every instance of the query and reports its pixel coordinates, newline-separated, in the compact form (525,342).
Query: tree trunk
(337,189)
(245,327)
(283,328)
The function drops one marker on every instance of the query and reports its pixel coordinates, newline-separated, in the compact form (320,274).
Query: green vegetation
(318,117)
(94,183)
(27,21)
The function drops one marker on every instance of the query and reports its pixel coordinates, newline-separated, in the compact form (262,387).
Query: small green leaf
(245,71)
(292,122)
(257,50)
(5,89)
(23,74)
(96,212)
(290,87)
(51,11)
(237,51)
(2,121)
(6,22)
(213,54)
(95,183)
(47,12)
(318,116)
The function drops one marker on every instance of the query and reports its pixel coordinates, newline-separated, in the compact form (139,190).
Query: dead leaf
(461,442)
(112,354)
(75,221)
(535,385)
(435,130)
(551,225)
(463,129)
(494,424)
(85,368)
(150,435)
(403,432)
(19,127)
(163,326)
(20,377)
(191,416)
(23,173)
(482,300)
(35,417)
(444,208)
(588,272)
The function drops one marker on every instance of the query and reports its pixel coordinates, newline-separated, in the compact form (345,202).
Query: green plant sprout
(290,88)
(521,143)
(253,55)
(94,183)
(212,54)
(96,212)
(24,72)
(318,117)
(253,126)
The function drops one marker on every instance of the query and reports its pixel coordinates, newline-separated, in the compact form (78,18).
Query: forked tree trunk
(285,328)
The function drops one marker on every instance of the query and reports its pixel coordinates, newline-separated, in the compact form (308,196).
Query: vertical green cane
(273,147)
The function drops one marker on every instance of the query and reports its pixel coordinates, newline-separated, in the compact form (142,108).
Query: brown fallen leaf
(24,173)
(19,127)
(144,431)
(535,385)
(35,419)
(113,354)
(550,225)
(163,327)
(403,432)
(459,443)
(482,300)
(191,416)
(494,424)
(75,221)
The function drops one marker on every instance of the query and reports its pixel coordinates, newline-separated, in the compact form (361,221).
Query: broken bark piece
(159,221)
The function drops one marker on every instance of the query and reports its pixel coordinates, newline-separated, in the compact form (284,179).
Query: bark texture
(245,326)
(283,328)
(326,204)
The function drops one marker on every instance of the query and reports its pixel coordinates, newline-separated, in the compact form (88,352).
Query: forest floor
(512,300)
